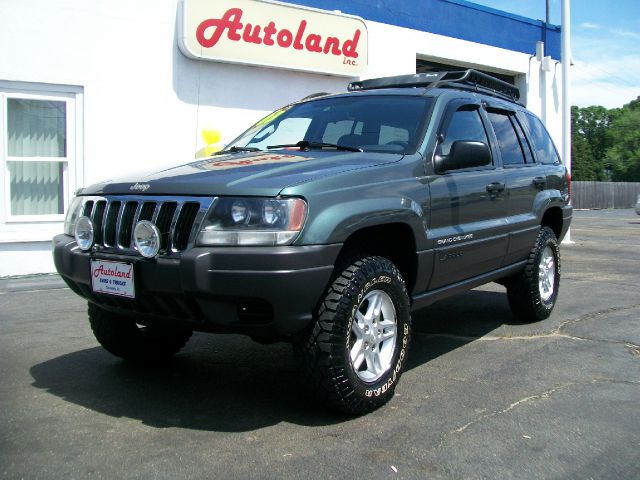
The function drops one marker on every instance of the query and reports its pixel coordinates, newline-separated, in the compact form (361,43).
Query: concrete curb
(27,283)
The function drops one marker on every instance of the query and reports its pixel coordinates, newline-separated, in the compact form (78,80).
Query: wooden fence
(604,194)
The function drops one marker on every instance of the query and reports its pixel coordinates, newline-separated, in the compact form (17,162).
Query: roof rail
(467,79)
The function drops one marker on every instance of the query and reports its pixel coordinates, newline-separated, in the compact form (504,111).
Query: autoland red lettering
(297,43)
(230,20)
(111,272)
(210,31)
(269,31)
(251,36)
(285,37)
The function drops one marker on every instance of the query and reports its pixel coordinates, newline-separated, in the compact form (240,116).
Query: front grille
(115,217)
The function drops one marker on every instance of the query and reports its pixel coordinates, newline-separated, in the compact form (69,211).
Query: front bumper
(259,291)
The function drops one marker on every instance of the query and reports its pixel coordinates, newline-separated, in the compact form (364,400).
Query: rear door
(467,215)
(524,179)
(544,151)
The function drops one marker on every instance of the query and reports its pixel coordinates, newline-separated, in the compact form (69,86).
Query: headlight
(75,209)
(253,221)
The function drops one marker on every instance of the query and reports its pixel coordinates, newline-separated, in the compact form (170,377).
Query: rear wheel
(532,294)
(354,354)
(123,337)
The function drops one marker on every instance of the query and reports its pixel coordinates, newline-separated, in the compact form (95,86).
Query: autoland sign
(273,34)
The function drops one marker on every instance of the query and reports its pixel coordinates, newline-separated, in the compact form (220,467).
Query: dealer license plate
(112,278)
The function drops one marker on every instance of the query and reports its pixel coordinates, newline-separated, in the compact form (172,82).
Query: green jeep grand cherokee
(327,224)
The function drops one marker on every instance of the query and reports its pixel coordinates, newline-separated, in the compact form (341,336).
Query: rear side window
(543,146)
(512,147)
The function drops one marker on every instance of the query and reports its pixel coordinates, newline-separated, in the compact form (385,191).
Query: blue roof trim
(454,18)
(501,13)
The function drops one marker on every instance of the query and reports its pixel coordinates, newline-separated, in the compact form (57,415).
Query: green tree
(593,122)
(589,142)
(583,165)
(624,136)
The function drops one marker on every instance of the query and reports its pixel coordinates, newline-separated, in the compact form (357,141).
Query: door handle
(539,182)
(495,187)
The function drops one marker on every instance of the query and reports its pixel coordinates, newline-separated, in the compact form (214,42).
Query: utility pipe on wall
(566,96)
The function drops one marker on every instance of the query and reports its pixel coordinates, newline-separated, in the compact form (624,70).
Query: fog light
(146,237)
(84,233)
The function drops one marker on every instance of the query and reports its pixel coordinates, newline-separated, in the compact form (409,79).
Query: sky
(605,46)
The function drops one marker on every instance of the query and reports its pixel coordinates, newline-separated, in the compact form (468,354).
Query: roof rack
(467,79)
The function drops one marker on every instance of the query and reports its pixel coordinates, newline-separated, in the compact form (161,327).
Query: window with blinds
(36,139)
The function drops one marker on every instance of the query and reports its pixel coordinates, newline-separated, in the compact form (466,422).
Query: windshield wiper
(238,149)
(306,145)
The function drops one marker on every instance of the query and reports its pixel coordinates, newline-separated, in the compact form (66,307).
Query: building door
(426,66)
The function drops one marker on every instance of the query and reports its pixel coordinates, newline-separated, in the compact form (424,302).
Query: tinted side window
(526,147)
(510,148)
(542,144)
(465,124)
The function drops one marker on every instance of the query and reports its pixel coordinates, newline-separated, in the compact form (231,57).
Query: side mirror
(463,154)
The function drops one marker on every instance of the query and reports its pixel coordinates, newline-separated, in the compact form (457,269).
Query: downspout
(566,94)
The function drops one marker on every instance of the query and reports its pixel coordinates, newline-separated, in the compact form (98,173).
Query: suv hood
(257,173)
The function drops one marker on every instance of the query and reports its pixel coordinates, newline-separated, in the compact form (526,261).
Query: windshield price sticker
(112,278)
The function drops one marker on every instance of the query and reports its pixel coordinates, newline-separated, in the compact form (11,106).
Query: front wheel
(123,337)
(533,293)
(355,352)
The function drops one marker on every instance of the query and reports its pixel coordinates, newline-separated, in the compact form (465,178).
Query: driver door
(468,208)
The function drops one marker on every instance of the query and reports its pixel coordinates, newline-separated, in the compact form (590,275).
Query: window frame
(68,177)
(529,158)
(28,228)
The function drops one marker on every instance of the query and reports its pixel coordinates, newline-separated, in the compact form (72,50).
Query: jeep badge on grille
(140,187)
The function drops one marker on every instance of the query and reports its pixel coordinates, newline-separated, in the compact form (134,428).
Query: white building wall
(144,104)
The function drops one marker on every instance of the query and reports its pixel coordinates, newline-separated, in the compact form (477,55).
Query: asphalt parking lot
(482,397)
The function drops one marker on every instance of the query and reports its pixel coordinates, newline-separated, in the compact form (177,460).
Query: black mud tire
(123,337)
(527,299)
(324,350)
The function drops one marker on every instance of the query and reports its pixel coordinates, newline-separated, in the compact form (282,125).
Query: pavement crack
(543,395)
(493,338)
(557,332)
(598,281)
(591,315)
(633,349)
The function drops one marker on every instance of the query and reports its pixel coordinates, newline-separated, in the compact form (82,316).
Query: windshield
(376,123)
